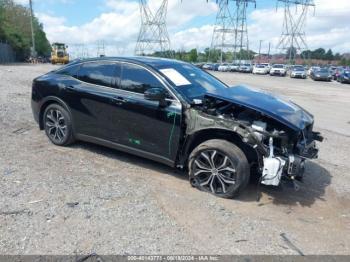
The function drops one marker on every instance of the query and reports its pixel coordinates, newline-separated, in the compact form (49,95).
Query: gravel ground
(86,198)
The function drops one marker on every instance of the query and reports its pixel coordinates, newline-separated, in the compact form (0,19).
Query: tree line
(211,55)
(15,29)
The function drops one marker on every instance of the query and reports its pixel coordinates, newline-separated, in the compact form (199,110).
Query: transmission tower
(153,34)
(101,49)
(230,30)
(293,38)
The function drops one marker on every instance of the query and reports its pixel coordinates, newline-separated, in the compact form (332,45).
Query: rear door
(142,124)
(90,96)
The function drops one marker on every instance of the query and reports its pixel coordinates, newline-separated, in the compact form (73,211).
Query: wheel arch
(201,136)
(48,101)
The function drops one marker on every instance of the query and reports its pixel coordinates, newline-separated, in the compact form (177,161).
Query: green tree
(193,55)
(15,30)
(329,55)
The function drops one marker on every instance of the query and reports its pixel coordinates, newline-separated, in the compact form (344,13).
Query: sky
(190,23)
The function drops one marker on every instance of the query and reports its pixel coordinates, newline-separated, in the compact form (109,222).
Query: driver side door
(145,126)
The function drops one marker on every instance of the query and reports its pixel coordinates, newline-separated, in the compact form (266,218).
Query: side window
(69,70)
(98,73)
(137,79)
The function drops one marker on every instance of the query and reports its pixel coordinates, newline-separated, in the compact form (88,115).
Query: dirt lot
(87,198)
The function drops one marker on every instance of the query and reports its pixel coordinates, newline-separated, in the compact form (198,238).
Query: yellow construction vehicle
(59,54)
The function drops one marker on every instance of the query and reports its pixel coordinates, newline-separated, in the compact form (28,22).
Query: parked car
(179,115)
(312,69)
(298,72)
(199,65)
(224,67)
(344,77)
(322,74)
(260,69)
(268,65)
(278,69)
(208,66)
(245,68)
(234,67)
(337,72)
(216,67)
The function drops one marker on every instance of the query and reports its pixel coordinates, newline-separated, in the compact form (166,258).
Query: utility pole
(268,52)
(33,49)
(293,38)
(153,34)
(260,51)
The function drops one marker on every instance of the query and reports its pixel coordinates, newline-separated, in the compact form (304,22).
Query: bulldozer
(59,54)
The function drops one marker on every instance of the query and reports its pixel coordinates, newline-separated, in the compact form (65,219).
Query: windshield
(260,66)
(323,70)
(298,69)
(278,66)
(198,81)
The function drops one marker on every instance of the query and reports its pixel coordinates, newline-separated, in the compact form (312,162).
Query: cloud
(326,27)
(119,26)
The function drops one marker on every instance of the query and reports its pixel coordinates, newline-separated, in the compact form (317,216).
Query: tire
(58,125)
(205,175)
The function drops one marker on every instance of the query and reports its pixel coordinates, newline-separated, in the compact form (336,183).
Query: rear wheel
(58,125)
(219,167)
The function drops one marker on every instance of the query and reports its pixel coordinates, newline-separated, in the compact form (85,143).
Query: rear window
(99,73)
(69,70)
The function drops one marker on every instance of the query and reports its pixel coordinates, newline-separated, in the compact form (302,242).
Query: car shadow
(131,159)
(309,190)
(312,188)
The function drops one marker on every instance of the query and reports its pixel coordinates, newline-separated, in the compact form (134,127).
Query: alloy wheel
(56,125)
(214,171)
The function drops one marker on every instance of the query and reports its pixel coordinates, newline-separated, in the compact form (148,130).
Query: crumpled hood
(277,108)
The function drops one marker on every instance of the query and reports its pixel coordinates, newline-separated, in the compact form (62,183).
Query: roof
(154,62)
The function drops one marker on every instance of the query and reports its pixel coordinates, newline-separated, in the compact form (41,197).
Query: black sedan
(322,74)
(177,114)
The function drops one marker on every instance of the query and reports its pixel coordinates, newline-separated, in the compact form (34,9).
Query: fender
(199,123)
(49,100)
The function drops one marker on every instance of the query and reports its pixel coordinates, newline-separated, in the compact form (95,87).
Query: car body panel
(284,111)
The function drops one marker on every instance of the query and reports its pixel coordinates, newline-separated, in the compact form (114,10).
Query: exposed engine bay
(281,150)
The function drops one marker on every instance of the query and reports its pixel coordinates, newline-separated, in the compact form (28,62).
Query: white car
(234,67)
(268,65)
(313,69)
(207,66)
(224,67)
(246,68)
(278,69)
(298,72)
(260,69)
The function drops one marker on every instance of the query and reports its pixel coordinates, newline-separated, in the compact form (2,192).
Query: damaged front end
(281,146)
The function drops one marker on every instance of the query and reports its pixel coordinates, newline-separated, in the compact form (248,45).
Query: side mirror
(154,94)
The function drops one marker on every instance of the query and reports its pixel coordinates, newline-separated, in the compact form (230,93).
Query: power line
(230,32)
(293,37)
(153,34)
(101,48)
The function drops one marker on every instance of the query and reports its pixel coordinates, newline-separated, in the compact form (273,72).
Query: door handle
(119,100)
(69,88)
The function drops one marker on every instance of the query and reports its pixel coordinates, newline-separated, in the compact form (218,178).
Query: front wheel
(58,125)
(219,167)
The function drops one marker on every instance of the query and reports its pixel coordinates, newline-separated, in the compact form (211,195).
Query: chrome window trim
(162,81)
